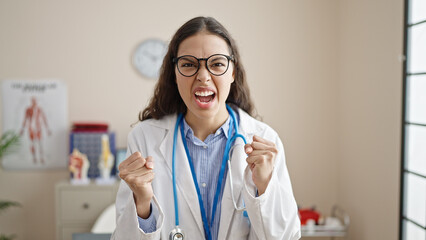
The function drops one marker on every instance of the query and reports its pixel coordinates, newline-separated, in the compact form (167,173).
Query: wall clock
(148,57)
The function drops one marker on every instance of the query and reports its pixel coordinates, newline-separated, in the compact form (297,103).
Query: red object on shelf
(89,127)
(308,213)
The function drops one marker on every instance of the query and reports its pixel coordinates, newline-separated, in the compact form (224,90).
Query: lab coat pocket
(240,226)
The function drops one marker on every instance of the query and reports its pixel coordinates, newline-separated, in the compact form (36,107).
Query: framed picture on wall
(37,111)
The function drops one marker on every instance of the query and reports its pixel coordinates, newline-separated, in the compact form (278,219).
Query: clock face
(148,57)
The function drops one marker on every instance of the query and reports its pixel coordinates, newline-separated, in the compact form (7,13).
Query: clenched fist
(138,173)
(261,159)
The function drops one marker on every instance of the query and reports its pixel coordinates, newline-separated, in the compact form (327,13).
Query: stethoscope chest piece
(176,234)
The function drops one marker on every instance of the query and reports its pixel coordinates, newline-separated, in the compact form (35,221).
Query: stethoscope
(177,233)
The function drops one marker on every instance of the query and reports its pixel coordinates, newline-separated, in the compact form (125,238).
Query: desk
(90,236)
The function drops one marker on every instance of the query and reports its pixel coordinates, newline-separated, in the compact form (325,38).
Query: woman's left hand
(261,159)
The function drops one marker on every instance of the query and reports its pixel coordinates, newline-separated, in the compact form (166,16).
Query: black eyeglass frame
(230,58)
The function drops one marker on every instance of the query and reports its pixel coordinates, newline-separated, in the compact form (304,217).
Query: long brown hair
(166,99)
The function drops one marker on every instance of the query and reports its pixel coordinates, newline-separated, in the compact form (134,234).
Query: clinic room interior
(326,75)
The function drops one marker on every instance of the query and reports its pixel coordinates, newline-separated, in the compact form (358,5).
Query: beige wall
(370,93)
(328,81)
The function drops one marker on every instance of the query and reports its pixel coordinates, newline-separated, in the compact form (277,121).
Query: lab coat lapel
(238,164)
(187,193)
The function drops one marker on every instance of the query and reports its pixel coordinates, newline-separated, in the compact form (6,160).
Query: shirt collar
(188,132)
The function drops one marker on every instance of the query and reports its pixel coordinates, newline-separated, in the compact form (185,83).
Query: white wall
(323,73)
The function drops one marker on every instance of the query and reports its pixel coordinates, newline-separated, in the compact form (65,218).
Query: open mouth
(205,96)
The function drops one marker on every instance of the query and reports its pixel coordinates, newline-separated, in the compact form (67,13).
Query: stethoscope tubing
(179,121)
(180,116)
(194,178)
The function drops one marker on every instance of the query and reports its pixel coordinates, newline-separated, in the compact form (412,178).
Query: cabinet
(78,206)
(329,231)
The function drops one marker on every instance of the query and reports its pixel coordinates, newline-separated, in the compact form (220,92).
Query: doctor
(177,180)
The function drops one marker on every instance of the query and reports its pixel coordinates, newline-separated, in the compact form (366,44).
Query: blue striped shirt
(207,158)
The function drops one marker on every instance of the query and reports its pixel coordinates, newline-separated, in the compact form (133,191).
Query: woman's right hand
(138,173)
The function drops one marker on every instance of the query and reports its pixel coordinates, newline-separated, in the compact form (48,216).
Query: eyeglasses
(216,64)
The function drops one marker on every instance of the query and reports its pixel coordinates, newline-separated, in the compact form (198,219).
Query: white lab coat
(273,215)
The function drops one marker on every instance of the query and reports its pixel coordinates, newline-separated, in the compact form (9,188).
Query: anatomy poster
(38,111)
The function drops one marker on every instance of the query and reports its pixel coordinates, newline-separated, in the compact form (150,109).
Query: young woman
(177,182)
